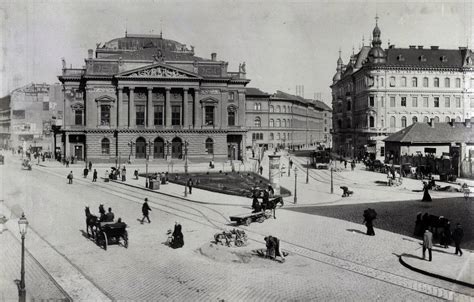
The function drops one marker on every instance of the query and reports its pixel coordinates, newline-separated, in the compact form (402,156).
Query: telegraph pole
(295,198)
(307,171)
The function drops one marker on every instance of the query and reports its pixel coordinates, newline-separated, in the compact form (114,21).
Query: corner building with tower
(142,96)
(382,91)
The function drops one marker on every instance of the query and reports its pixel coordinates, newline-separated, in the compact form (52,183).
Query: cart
(248,218)
(108,233)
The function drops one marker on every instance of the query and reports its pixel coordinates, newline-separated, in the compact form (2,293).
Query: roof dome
(336,77)
(377,55)
(376,32)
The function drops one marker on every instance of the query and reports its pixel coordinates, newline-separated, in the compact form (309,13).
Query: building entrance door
(176,148)
(159,148)
(78,152)
(140,150)
(232,151)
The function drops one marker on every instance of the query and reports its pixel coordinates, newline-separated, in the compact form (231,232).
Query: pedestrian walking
(426,193)
(369,216)
(427,243)
(458,233)
(67,162)
(145,211)
(260,170)
(94,176)
(136,174)
(70,177)
(190,185)
(291,163)
(86,172)
(90,166)
(353,164)
(124,173)
(345,164)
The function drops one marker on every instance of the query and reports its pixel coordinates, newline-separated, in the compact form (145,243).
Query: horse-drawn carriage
(266,211)
(105,232)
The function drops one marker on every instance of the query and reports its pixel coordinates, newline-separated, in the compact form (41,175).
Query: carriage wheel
(248,221)
(261,219)
(105,240)
(125,239)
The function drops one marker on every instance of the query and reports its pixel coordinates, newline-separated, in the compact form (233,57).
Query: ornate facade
(381,91)
(142,96)
(286,121)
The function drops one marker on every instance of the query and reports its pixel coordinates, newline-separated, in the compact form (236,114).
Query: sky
(283,43)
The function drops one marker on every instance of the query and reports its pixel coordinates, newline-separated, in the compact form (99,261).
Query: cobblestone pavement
(149,270)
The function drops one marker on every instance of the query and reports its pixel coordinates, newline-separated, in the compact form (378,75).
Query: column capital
(131,88)
(149,88)
(168,88)
(185,88)
(119,88)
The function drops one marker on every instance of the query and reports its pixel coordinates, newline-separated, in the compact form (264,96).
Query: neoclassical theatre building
(381,91)
(143,96)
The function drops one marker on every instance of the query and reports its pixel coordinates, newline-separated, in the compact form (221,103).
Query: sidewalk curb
(467,284)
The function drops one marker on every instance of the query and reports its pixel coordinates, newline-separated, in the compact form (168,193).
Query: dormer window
(443,59)
(400,58)
(422,58)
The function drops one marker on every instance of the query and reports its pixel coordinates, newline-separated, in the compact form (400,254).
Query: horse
(91,222)
(272,203)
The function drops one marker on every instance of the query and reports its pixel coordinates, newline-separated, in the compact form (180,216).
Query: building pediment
(158,70)
(105,99)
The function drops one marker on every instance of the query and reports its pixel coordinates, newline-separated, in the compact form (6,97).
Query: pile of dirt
(225,254)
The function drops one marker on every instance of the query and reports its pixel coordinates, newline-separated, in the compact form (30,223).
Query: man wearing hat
(145,209)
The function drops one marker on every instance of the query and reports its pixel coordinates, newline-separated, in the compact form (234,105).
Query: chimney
(468,123)
(412,46)
(213,56)
(432,122)
(452,122)
(420,46)
(435,47)
(90,53)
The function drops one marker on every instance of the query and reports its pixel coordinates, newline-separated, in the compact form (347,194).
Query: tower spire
(126,25)
(161,28)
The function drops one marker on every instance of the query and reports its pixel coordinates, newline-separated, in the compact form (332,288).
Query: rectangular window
(414,101)
(18,114)
(458,102)
(209,116)
(45,106)
(425,101)
(414,82)
(140,115)
(175,115)
(436,102)
(382,151)
(472,103)
(381,101)
(447,83)
(425,82)
(158,115)
(104,115)
(458,83)
(436,82)
(78,117)
(392,101)
(371,101)
(404,82)
(447,102)
(404,101)
(231,96)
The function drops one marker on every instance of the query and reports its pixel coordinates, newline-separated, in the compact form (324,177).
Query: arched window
(458,83)
(278,109)
(278,123)
(271,123)
(414,82)
(414,120)
(436,82)
(404,82)
(447,82)
(392,122)
(271,136)
(105,146)
(425,82)
(404,121)
(272,109)
(284,109)
(436,119)
(283,122)
(447,119)
(426,119)
(209,146)
(371,121)
(258,122)
(231,117)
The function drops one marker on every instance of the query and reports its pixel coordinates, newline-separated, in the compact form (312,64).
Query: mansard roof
(252,91)
(315,103)
(415,57)
(150,53)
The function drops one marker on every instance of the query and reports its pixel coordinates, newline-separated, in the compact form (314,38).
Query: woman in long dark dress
(177,240)
(426,193)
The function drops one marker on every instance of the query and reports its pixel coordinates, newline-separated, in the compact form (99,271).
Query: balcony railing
(73,72)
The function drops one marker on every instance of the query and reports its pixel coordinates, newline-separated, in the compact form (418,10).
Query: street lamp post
(23,226)
(332,186)
(131,143)
(149,144)
(307,171)
(295,198)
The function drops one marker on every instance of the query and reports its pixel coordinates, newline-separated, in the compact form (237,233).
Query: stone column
(98,113)
(131,108)
(274,172)
(168,106)
(149,108)
(185,108)
(197,110)
(119,106)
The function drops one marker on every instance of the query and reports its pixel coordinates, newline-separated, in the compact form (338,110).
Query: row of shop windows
(259,136)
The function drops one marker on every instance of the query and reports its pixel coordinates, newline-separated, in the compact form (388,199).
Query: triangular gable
(158,70)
